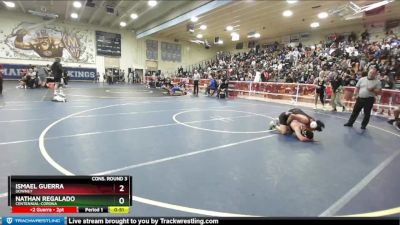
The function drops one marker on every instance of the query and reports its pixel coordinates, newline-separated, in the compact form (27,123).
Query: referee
(366,90)
(196,78)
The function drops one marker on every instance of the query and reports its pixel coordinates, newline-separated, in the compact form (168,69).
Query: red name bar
(44,209)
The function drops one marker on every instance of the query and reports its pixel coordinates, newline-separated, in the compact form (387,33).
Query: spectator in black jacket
(57,71)
(337,89)
(223,88)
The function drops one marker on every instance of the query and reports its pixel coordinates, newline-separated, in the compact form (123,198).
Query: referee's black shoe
(348,125)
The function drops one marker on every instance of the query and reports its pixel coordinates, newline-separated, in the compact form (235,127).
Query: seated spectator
(223,89)
(23,81)
(211,87)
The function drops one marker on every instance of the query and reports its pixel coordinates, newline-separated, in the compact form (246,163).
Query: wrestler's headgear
(317,125)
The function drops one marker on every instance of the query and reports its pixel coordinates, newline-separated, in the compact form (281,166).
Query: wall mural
(46,42)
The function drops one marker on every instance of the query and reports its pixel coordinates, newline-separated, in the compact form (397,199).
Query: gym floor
(199,156)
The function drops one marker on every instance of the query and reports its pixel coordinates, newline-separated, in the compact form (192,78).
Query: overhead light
(314,25)
(197,41)
(74,15)
(199,36)
(77,4)
(253,34)
(194,19)
(152,3)
(122,24)
(287,13)
(203,27)
(291,1)
(229,28)
(134,16)
(9,4)
(220,42)
(322,15)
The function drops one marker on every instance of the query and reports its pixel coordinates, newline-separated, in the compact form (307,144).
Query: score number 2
(122,199)
(122,189)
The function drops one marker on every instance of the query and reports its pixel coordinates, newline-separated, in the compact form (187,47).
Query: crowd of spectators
(346,57)
(37,77)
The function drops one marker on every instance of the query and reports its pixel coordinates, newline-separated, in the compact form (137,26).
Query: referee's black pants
(196,87)
(362,103)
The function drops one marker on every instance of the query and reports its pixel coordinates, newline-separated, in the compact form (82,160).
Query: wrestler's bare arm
(297,130)
(301,118)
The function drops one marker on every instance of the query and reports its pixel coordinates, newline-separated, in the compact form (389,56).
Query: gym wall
(82,50)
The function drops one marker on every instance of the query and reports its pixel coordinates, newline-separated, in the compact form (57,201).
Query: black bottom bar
(219,221)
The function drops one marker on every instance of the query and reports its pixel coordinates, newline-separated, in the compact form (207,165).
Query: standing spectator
(337,88)
(1,79)
(385,97)
(137,78)
(257,78)
(196,78)
(366,90)
(121,76)
(65,77)
(320,83)
(97,77)
(109,76)
(57,72)
(130,77)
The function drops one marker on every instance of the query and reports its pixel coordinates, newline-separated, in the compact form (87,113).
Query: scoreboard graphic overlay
(70,194)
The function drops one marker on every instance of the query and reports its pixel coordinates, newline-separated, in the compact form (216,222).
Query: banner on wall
(46,41)
(13,72)
(171,52)
(152,49)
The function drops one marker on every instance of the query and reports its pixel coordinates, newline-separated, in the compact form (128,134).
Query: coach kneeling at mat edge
(366,90)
